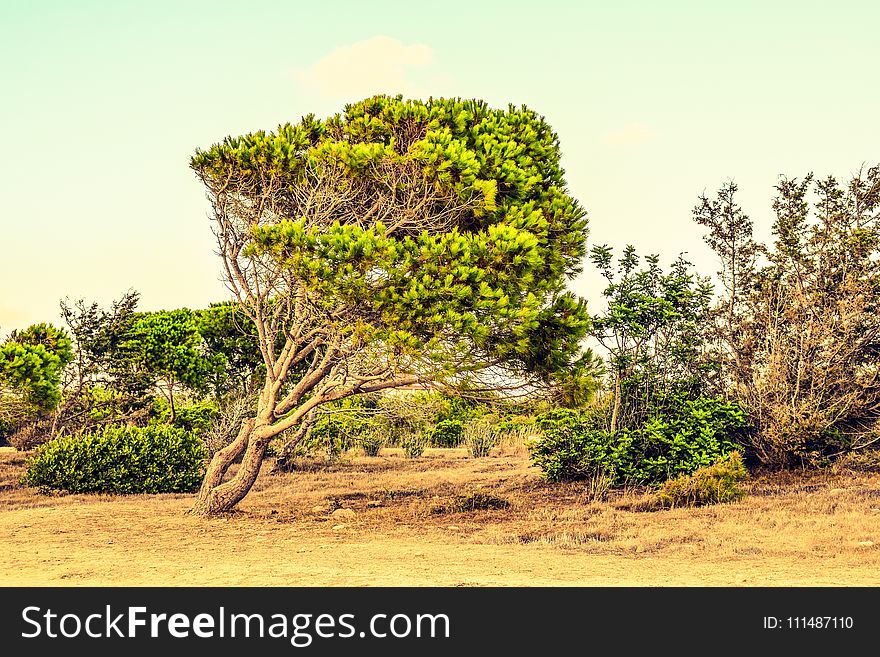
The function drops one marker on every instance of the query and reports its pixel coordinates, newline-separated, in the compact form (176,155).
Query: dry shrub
(476,501)
(480,437)
(862,461)
(30,436)
(372,442)
(414,444)
(715,484)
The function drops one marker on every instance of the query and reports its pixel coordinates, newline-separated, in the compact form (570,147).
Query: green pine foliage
(117,459)
(494,280)
(31,363)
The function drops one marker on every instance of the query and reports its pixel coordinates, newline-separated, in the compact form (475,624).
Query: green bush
(690,434)
(447,433)
(715,484)
(480,436)
(414,444)
(197,418)
(371,442)
(153,459)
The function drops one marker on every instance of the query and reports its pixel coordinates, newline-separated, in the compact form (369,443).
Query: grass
(821,526)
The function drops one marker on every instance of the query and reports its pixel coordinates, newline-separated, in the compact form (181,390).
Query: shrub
(569,449)
(371,442)
(447,433)
(715,484)
(414,444)
(690,434)
(480,437)
(476,501)
(31,435)
(153,459)
(867,460)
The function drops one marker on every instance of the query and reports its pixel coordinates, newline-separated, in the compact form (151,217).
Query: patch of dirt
(821,530)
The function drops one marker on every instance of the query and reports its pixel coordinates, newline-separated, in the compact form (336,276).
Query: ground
(791,530)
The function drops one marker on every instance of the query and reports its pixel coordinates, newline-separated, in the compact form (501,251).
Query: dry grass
(821,528)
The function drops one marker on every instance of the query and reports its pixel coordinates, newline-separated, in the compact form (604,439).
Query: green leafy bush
(447,433)
(414,444)
(153,459)
(197,418)
(690,434)
(715,484)
(371,442)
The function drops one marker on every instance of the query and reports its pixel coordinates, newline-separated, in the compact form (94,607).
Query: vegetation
(799,333)
(31,365)
(395,243)
(689,435)
(475,501)
(414,445)
(427,246)
(714,484)
(153,459)
(447,433)
(480,437)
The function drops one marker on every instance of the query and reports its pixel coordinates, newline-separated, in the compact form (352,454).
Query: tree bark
(615,413)
(217,497)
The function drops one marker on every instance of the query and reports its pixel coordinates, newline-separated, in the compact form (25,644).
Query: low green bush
(414,444)
(690,434)
(447,433)
(152,459)
(714,484)
(372,442)
(480,436)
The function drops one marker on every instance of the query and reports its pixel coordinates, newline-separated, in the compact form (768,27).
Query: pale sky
(103,103)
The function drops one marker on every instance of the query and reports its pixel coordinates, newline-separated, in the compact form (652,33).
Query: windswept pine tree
(397,242)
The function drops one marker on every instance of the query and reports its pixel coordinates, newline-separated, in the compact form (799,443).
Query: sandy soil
(822,530)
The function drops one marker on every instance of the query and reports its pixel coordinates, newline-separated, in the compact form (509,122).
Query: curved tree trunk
(215,496)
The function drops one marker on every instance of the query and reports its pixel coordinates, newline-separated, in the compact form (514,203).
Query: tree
(103,383)
(230,340)
(730,236)
(31,363)
(653,330)
(806,335)
(397,242)
(167,344)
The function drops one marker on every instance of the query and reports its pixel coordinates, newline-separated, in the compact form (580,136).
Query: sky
(103,103)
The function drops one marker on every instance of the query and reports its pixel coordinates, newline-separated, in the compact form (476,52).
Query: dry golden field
(791,530)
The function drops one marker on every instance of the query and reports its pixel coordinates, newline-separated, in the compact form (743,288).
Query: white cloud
(632,133)
(377,65)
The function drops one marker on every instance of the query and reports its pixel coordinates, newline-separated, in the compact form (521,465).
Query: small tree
(234,363)
(168,346)
(395,243)
(31,363)
(653,331)
(103,384)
